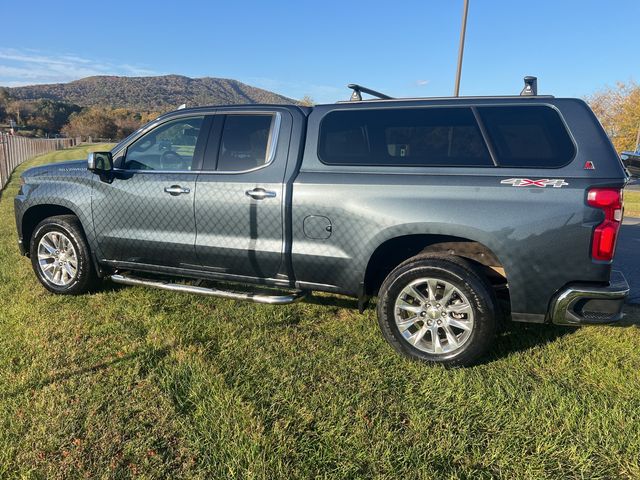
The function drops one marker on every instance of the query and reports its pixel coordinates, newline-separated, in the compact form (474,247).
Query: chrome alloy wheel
(57,258)
(434,316)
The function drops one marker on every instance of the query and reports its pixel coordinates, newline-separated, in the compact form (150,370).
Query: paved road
(634,184)
(627,257)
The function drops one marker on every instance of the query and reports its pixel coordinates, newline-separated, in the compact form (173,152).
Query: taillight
(609,200)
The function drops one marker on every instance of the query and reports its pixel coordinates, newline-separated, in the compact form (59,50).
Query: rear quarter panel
(540,235)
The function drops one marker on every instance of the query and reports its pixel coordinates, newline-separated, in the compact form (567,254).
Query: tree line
(45,117)
(111,123)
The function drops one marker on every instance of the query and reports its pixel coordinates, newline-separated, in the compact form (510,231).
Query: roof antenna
(356,96)
(530,86)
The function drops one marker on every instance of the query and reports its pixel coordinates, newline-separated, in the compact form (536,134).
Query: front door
(239,200)
(146,214)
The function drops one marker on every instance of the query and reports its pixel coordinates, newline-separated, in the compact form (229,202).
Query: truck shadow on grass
(332,301)
(516,338)
(153,356)
(520,337)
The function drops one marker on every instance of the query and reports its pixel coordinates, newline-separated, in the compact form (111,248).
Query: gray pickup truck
(456,213)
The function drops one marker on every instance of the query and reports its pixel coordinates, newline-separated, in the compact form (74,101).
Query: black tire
(85,278)
(462,275)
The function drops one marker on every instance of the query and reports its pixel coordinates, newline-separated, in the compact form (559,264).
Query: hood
(73,168)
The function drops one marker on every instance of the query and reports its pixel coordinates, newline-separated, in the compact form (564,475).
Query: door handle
(176,190)
(260,193)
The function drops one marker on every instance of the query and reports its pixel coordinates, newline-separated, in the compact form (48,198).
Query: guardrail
(15,150)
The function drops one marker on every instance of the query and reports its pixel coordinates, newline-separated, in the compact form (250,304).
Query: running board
(211,292)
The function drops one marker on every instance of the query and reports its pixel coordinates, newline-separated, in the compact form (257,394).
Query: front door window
(169,147)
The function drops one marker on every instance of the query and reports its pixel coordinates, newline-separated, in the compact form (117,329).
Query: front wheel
(60,256)
(438,309)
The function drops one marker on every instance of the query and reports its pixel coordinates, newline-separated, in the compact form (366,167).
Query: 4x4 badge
(527,182)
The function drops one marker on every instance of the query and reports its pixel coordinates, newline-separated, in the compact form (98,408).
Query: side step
(211,292)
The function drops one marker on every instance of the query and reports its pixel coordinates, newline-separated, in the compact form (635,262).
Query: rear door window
(403,137)
(527,136)
(245,143)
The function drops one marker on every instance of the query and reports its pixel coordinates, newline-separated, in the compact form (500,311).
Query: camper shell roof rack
(530,90)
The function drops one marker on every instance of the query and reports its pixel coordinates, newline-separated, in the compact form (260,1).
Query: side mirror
(100,162)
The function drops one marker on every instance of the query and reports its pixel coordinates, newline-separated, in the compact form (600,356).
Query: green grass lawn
(632,203)
(133,382)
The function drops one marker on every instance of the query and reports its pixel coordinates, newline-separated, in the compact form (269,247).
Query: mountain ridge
(157,93)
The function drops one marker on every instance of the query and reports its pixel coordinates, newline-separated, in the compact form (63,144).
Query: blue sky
(403,48)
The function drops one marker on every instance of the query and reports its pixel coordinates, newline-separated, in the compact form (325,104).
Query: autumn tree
(91,122)
(307,101)
(618,109)
(129,121)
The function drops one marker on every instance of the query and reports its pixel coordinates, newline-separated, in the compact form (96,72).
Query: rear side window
(245,142)
(403,137)
(527,136)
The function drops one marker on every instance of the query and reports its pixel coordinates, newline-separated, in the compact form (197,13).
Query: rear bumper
(586,304)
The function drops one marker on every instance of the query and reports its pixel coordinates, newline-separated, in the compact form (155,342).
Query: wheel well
(396,250)
(34,215)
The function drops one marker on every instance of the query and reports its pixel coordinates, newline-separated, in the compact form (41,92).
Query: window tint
(245,142)
(171,146)
(527,136)
(408,136)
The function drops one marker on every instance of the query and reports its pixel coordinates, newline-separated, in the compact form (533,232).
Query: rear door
(239,195)
(146,214)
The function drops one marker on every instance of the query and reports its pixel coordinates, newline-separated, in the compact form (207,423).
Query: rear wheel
(438,309)
(60,256)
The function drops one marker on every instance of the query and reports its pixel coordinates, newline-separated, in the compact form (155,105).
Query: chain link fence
(15,149)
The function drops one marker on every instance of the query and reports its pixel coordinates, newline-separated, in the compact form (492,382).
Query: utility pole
(638,140)
(456,92)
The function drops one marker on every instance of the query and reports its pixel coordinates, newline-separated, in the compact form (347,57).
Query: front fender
(71,194)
